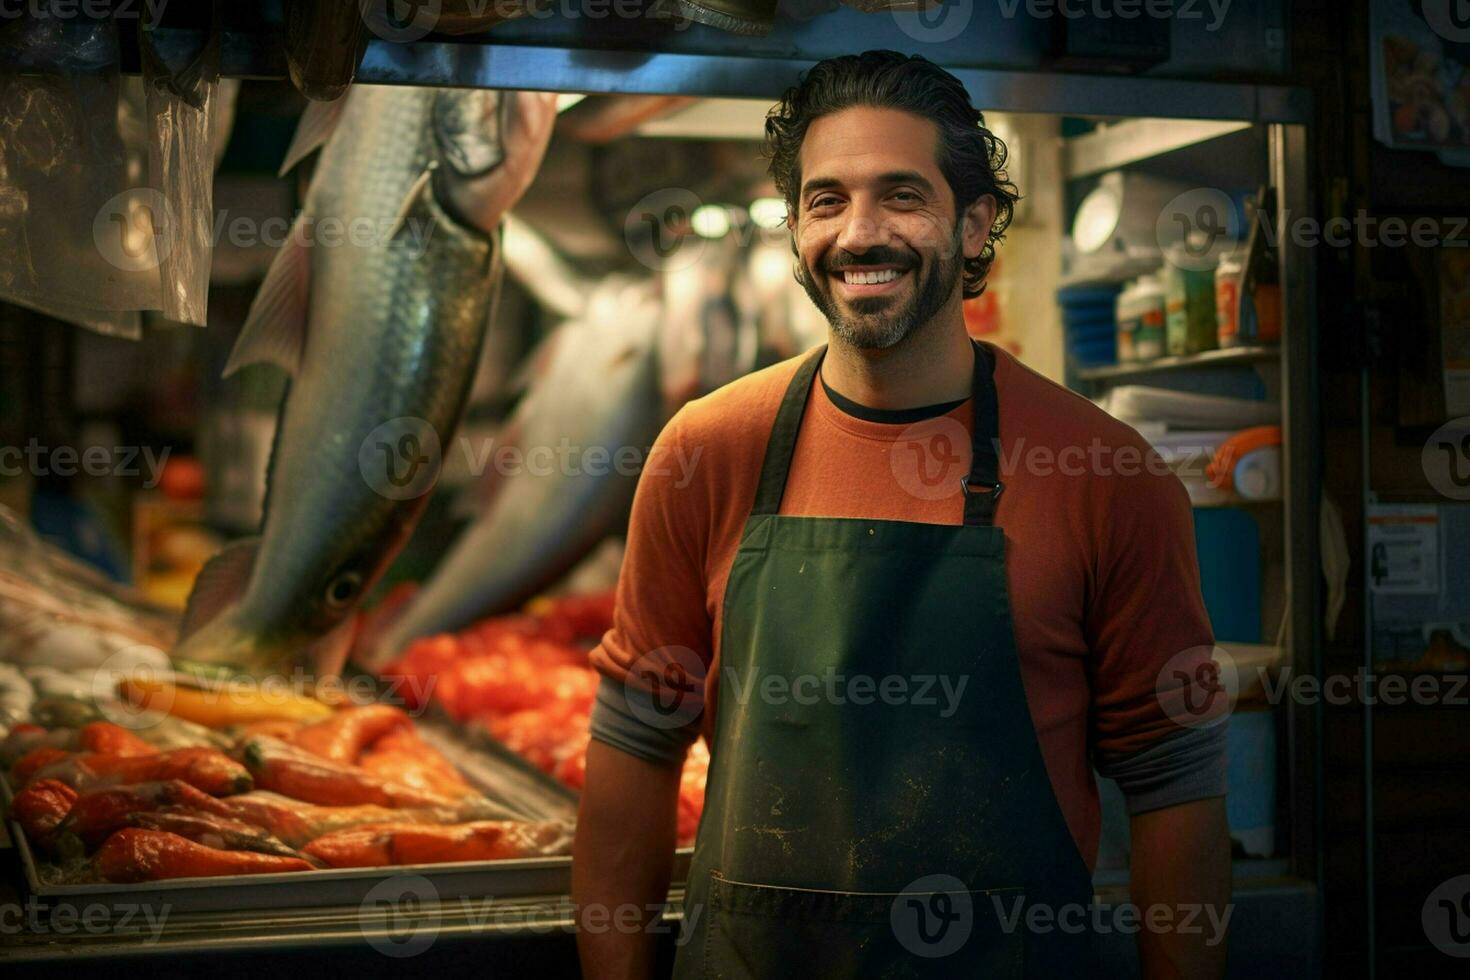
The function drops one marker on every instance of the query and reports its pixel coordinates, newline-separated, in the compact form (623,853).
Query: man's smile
(860,281)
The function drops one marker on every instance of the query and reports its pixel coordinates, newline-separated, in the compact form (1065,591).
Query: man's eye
(825,201)
(906,196)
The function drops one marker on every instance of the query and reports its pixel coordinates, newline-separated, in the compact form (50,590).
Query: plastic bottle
(1148,338)
(1189,299)
(1230,325)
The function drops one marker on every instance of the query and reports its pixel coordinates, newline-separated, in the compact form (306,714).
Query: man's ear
(979,217)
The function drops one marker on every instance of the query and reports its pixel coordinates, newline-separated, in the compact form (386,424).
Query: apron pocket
(759,931)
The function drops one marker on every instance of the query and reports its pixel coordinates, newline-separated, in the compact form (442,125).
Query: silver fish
(596,391)
(380,326)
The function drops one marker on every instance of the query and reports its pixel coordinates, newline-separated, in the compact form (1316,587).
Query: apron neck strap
(782,444)
(982,487)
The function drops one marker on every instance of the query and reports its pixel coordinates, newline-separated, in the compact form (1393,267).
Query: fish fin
(275,329)
(220,582)
(418,189)
(327,654)
(317,124)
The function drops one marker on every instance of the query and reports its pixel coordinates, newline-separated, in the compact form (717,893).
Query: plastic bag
(105,182)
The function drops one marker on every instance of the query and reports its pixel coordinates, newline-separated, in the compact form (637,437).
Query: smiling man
(907,633)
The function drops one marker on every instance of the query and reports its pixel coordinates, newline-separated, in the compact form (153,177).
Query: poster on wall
(1403,543)
(1420,62)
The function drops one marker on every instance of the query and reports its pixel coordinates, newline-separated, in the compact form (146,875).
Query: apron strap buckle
(981,500)
(994,490)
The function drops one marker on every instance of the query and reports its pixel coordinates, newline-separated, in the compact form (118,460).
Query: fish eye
(343,589)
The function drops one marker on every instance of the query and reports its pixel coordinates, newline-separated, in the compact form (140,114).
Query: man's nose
(863,228)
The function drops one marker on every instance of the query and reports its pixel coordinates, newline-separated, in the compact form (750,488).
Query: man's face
(880,250)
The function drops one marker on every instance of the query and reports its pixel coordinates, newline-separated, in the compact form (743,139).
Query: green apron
(860,832)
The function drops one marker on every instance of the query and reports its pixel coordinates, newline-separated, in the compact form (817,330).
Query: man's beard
(867,323)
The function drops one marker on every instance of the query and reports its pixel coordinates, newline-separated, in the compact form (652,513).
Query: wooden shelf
(1225,357)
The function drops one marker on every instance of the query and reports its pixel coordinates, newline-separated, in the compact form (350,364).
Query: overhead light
(768,212)
(710,221)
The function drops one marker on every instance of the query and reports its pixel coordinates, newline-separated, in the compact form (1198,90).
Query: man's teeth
(869,278)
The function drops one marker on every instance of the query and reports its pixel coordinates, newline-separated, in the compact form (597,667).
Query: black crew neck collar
(887,416)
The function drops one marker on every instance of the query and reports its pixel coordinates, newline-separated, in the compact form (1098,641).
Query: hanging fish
(379,327)
(594,401)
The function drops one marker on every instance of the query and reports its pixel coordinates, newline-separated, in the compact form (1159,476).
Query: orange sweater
(1103,580)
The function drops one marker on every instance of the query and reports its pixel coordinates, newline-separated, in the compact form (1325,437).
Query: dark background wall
(1375,310)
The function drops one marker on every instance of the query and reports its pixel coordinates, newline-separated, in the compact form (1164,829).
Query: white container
(1148,338)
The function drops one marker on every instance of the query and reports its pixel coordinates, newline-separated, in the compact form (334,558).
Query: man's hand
(621,861)
(1181,862)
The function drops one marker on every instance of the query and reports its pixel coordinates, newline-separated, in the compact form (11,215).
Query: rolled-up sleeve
(1182,768)
(1147,627)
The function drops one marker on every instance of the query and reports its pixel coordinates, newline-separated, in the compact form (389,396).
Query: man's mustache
(840,258)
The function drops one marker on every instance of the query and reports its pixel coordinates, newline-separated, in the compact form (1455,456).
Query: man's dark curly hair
(971,158)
